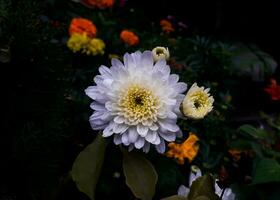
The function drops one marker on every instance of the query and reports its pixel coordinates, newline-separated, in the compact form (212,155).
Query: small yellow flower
(160,53)
(197,102)
(94,47)
(77,42)
(187,150)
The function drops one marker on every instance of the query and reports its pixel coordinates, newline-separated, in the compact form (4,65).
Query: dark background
(249,22)
(246,21)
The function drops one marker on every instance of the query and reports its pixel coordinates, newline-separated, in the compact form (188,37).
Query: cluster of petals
(82,37)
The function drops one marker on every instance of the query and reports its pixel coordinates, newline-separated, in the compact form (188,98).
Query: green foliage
(266,171)
(87,166)
(203,188)
(140,175)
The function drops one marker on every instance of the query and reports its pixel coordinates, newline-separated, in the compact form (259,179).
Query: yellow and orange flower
(129,38)
(166,26)
(187,149)
(274,90)
(98,3)
(81,26)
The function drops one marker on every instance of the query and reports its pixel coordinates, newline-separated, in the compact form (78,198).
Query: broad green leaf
(267,170)
(87,166)
(251,61)
(203,188)
(175,197)
(140,175)
(252,131)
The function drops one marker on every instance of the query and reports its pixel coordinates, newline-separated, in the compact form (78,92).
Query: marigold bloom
(81,25)
(129,37)
(98,3)
(166,26)
(273,90)
(95,46)
(188,149)
(77,42)
(80,42)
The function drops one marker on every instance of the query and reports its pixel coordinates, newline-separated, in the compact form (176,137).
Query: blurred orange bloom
(188,149)
(273,89)
(98,3)
(166,26)
(81,25)
(129,37)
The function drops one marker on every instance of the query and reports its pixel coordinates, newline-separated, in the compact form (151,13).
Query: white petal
(194,176)
(119,119)
(161,147)
(146,147)
(107,131)
(147,60)
(96,115)
(154,127)
(125,139)
(171,115)
(157,140)
(92,91)
(105,71)
(119,128)
(180,87)
(169,136)
(132,135)
(142,130)
(130,147)
(97,127)
(139,143)
(115,62)
(117,139)
(151,136)
(169,125)
(97,106)
(173,78)
(159,65)
(106,116)
(183,191)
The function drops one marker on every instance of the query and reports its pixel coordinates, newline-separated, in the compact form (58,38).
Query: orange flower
(98,3)
(166,26)
(237,154)
(81,25)
(129,37)
(187,150)
(273,89)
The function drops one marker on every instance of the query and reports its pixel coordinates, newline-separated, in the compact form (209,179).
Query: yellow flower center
(200,99)
(138,104)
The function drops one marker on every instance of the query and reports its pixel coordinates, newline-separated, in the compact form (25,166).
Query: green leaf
(251,61)
(87,166)
(267,170)
(175,197)
(252,131)
(203,188)
(141,177)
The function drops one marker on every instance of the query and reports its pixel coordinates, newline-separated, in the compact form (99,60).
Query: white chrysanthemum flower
(184,191)
(160,53)
(137,102)
(197,102)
